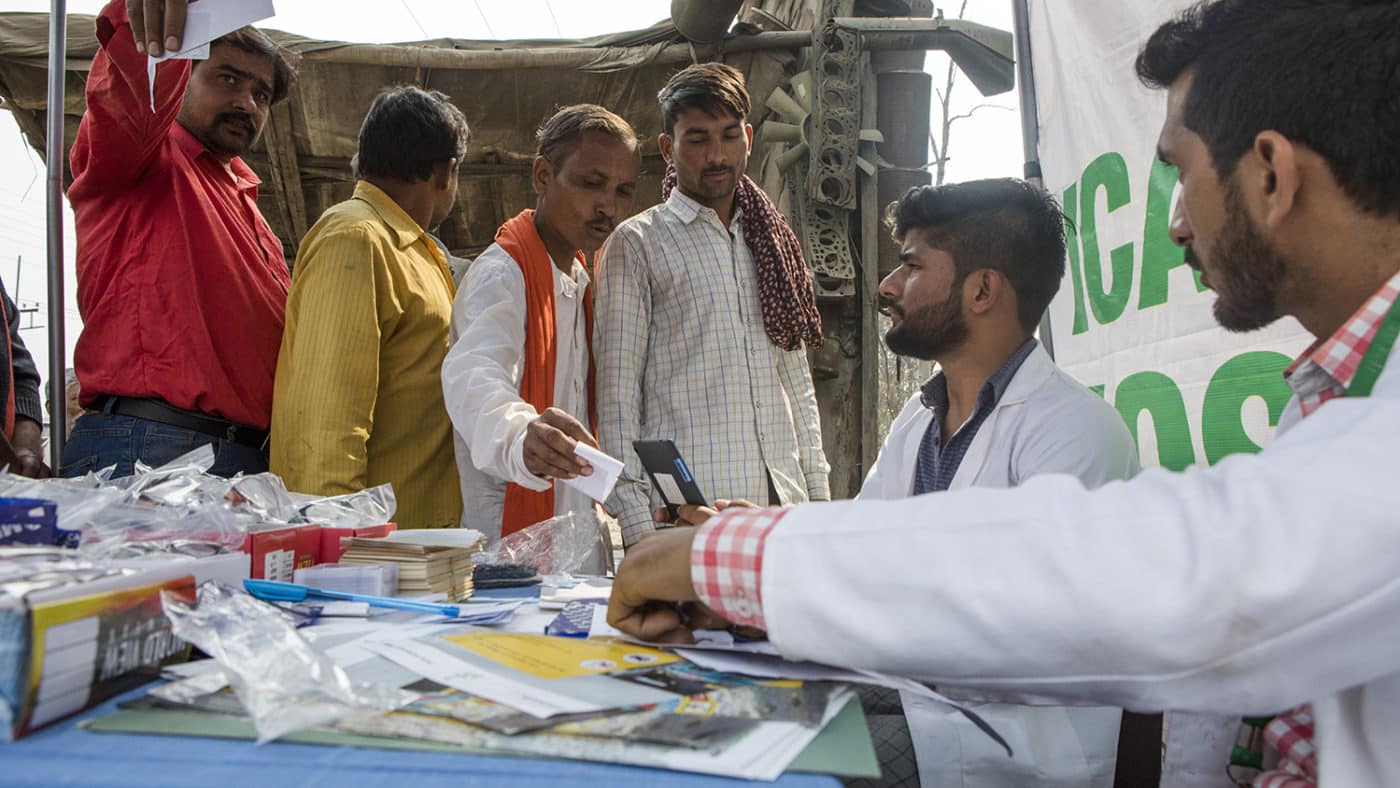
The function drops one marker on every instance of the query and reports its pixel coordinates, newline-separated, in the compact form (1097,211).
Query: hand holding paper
(549,445)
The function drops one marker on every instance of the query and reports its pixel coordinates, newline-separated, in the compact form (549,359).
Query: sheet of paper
(707,638)
(438,537)
(598,485)
(554,598)
(204,22)
(771,666)
(435,664)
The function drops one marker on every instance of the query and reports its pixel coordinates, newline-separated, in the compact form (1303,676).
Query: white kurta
(1139,593)
(481,380)
(1045,422)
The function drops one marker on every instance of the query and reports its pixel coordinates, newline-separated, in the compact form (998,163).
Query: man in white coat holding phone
(1248,587)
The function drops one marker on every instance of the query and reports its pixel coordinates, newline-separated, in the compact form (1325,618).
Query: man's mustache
(889,306)
(717,171)
(240,118)
(1191,258)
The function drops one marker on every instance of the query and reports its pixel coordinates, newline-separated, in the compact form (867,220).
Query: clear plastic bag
(262,495)
(284,684)
(81,501)
(559,547)
(134,530)
(372,506)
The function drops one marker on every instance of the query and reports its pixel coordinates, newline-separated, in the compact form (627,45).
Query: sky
(988,144)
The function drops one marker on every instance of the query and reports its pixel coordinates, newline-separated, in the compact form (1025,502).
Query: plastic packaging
(557,547)
(283,683)
(373,506)
(80,501)
(133,530)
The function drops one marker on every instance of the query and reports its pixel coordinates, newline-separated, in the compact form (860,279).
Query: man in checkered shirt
(704,307)
(1251,586)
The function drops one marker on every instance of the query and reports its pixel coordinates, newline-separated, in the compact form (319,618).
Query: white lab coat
(1138,593)
(1045,422)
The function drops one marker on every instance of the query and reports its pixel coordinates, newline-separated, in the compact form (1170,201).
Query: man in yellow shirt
(358,399)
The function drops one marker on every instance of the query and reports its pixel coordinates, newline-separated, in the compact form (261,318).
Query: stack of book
(423,568)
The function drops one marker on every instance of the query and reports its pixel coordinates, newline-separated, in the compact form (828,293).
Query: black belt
(165,413)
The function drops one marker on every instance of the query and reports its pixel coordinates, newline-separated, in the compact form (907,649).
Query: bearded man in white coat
(979,263)
(1249,587)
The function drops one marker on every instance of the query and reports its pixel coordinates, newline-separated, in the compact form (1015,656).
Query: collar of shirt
(406,231)
(1326,369)
(934,392)
(688,210)
(243,175)
(574,282)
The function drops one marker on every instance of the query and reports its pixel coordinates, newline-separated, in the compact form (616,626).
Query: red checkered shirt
(1292,735)
(726,563)
(1324,371)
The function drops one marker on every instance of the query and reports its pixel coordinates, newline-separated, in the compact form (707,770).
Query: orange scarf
(519,238)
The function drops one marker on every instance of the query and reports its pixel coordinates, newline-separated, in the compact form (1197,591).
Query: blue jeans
(102,439)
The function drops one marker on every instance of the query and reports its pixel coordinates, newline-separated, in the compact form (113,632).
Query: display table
(64,754)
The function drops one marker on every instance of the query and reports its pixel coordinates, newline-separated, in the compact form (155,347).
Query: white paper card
(670,491)
(599,485)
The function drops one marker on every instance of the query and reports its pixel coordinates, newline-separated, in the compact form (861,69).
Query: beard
(227,134)
(930,331)
(706,188)
(1247,272)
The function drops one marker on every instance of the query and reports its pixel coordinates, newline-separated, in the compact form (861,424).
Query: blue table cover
(63,754)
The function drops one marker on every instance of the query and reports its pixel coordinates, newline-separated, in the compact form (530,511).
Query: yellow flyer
(547,657)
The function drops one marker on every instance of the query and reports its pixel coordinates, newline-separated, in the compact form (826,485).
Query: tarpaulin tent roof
(505,88)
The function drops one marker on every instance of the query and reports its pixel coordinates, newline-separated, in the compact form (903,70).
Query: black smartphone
(669,474)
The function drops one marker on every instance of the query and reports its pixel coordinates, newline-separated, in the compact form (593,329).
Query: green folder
(843,747)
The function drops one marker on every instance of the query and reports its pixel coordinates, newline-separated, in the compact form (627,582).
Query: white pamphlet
(606,470)
(204,22)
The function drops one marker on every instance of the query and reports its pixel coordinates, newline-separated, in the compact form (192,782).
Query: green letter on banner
(1110,173)
(1254,374)
(1071,206)
(1159,396)
(1159,254)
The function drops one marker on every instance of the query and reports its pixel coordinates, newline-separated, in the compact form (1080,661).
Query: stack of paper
(423,569)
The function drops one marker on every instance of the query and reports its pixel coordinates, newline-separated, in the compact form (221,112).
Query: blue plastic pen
(273,591)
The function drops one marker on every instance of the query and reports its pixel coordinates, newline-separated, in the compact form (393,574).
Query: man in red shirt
(181,283)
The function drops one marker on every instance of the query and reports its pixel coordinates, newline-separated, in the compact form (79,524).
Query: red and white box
(279,551)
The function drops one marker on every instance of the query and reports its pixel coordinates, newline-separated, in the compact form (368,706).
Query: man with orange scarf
(518,379)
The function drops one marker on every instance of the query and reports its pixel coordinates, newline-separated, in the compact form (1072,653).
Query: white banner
(1131,320)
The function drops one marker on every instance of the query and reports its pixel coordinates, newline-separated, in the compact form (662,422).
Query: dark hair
(1324,73)
(284,61)
(407,131)
(1001,223)
(561,134)
(713,87)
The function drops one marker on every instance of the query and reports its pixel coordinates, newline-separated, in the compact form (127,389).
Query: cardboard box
(231,569)
(278,552)
(330,538)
